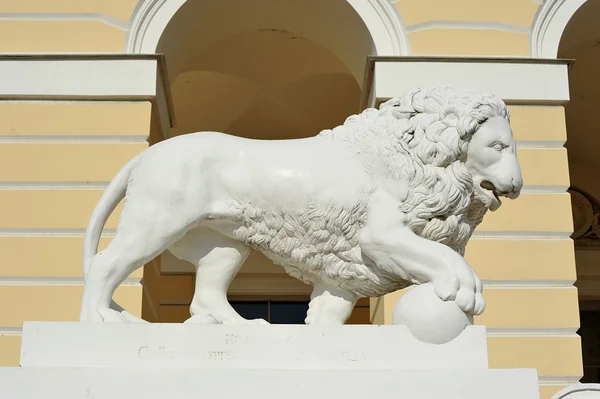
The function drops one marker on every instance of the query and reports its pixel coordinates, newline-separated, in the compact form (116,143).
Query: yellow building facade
(88,84)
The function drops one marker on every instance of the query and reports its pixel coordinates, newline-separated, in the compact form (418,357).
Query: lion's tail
(111,197)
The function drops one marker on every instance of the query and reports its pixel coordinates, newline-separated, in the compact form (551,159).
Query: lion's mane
(420,139)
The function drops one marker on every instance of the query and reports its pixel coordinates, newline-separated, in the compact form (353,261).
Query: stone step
(184,383)
(50,344)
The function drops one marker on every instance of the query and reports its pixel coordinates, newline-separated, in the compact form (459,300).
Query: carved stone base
(245,346)
(118,361)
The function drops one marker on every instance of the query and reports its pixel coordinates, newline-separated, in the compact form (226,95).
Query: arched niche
(151,17)
(264,69)
(580,43)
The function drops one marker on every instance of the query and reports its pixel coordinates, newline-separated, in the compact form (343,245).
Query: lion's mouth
(491,194)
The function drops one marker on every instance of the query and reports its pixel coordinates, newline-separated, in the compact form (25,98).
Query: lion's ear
(392,102)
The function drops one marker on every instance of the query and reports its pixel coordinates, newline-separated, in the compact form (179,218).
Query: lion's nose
(516,189)
(514,194)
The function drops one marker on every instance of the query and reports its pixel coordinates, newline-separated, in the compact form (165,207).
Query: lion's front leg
(393,247)
(329,305)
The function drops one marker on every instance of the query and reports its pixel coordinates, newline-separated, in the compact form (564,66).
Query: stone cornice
(516,80)
(88,77)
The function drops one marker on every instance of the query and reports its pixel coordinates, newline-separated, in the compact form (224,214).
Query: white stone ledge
(152,383)
(516,80)
(84,77)
(54,344)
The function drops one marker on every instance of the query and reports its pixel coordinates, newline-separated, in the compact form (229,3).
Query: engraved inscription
(254,339)
(251,347)
(165,353)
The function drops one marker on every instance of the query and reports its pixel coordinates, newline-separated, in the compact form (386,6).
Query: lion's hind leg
(217,260)
(137,241)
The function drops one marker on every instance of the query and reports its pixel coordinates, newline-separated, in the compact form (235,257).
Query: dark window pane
(288,312)
(590,342)
(252,309)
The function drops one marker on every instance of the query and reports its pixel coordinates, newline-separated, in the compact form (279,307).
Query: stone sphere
(429,318)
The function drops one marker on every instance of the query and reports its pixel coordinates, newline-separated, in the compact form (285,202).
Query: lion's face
(492,161)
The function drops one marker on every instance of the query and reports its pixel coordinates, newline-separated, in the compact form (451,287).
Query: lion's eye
(498,146)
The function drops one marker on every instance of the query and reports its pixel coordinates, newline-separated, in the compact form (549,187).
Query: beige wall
(65,25)
(56,157)
(468,27)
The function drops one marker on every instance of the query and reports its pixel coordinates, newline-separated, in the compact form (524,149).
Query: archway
(266,69)
(381,17)
(549,24)
(580,41)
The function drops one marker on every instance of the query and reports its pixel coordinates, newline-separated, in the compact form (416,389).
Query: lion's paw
(258,321)
(202,319)
(245,321)
(465,289)
(107,315)
(479,301)
(479,304)
(112,316)
(210,319)
(465,299)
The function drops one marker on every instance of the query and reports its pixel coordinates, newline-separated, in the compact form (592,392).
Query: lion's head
(449,125)
(453,147)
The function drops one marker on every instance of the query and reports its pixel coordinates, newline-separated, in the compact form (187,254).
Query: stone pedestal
(77,360)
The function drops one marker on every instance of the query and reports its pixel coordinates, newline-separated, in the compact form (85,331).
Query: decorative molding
(87,16)
(560,380)
(88,77)
(58,185)
(532,332)
(388,16)
(548,25)
(468,25)
(543,144)
(72,139)
(62,281)
(51,232)
(148,21)
(544,189)
(515,80)
(526,284)
(11,331)
(521,235)
(150,18)
(586,219)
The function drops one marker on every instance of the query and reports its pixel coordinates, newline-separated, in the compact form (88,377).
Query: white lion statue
(388,199)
